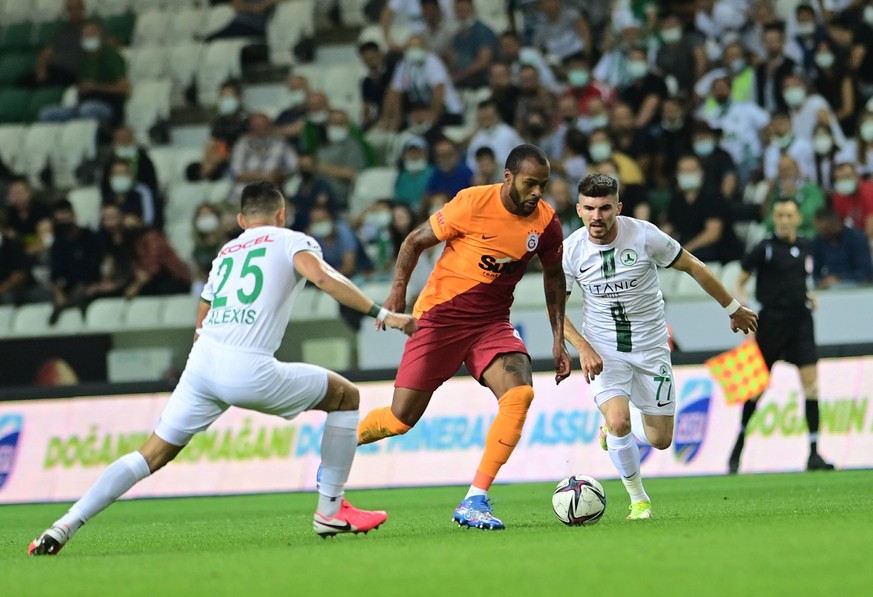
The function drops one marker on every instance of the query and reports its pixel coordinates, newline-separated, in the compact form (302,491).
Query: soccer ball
(579,500)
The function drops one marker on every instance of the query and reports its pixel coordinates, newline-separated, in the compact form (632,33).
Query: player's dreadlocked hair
(262,198)
(598,185)
(524,152)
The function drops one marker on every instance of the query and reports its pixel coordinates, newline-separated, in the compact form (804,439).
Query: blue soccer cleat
(475,512)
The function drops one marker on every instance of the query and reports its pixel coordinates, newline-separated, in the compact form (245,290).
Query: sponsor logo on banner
(692,417)
(10,431)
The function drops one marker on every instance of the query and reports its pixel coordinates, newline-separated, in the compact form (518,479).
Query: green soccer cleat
(602,437)
(641,510)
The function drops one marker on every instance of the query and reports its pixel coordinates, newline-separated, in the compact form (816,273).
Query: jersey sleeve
(453,219)
(551,245)
(301,242)
(663,249)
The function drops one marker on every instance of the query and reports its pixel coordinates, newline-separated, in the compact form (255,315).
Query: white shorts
(217,376)
(644,377)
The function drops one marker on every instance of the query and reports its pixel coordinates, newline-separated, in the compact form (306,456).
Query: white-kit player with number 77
(241,320)
(623,340)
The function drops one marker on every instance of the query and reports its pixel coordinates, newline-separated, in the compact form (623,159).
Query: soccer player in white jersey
(241,320)
(622,343)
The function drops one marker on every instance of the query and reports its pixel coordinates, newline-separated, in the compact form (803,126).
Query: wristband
(733,307)
(375,310)
(383,313)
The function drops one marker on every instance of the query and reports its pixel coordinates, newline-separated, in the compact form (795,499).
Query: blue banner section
(692,418)
(10,432)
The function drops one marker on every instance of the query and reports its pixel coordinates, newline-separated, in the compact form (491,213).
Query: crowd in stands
(705,112)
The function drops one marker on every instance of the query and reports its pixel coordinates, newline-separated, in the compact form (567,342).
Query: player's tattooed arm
(555,287)
(420,239)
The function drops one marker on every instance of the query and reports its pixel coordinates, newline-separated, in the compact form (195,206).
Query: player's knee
(619,425)
(662,443)
(350,397)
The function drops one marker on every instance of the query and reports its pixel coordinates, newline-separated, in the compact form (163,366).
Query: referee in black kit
(783,263)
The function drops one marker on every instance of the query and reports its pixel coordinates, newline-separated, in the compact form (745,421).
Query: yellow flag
(741,372)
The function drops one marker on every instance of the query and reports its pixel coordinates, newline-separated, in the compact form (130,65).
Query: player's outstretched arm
(742,318)
(589,360)
(312,267)
(423,237)
(554,284)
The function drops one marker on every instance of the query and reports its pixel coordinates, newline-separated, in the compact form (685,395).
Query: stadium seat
(332,353)
(180,311)
(33,321)
(342,84)
(352,13)
(42,97)
(313,304)
(371,184)
(46,31)
(14,105)
(493,14)
(77,143)
(11,136)
(144,313)
(16,36)
(14,65)
(141,7)
(730,273)
(219,192)
(669,278)
(106,314)
(47,10)
(144,63)
(120,26)
(182,61)
(39,140)
(687,287)
(6,314)
(151,27)
(86,203)
(109,8)
(529,292)
(217,17)
(186,24)
(180,235)
(170,163)
(290,21)
(138,364)
(149,103)
(219,61)
(183,198)
(378,291)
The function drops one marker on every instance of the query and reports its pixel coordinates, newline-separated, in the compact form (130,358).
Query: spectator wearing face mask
(373,230)
(740,123)
(581,86)
(24,217)
(76,255)
(102,85)
(735,64)
(157,269)
(503,91)
(719,170)
(132,197)
(227,127)
(116,269)
(841,254)
(836,84)
(791,182)
(313,190)
(772,71)
(861,58)
(17,285)
(208,239)
(421,77)
(562,31)
(628,138)
(260,155)
(645,89)
(859,150)
(472,49)
(600,149)
(807,110)
(338,243)
(374,85)
(515,56)
(341,157)
(491,132)
(142,169)
(422,124)
(451,173)
(295,99)
(669,139)
(852,198)
(698,219)
(309,132)
(825,152)
(414,173)
(681,55)
(784,142)
(807,35)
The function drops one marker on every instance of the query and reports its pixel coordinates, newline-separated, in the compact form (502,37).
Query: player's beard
(521,206)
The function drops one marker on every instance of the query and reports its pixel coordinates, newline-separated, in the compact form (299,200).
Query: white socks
(338,445)
(475,491)
(115,481)
(625,456)
(638,428)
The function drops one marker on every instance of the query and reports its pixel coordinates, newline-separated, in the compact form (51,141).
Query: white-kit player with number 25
(241,320)
(622,344)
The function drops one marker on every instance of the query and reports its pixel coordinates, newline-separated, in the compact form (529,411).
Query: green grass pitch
(793,534)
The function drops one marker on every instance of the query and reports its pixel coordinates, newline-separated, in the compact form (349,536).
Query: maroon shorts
(435,353)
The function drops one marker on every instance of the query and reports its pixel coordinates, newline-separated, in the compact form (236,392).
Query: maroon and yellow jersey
(487,251)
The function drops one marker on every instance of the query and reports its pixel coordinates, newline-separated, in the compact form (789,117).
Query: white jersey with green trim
(623,308)
(252,286)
